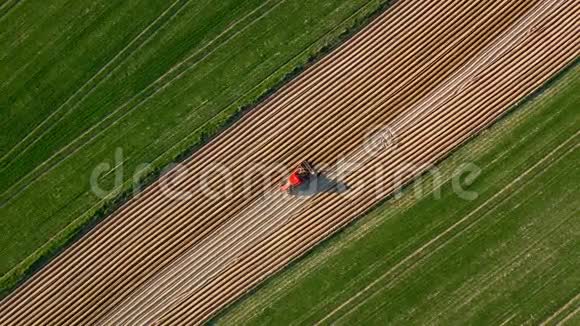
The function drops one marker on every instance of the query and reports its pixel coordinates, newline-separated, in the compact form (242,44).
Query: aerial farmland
(289,162)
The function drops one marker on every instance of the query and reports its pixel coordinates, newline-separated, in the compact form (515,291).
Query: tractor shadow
(319,185)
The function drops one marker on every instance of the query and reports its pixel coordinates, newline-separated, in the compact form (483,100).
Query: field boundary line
(110,63)
(505,42)
(468,227)
(557,313)
(10,9)
(572,314)
(465,155)
(507,320)
(448,230)
(116,121)
(240,99)
(492,277)
(317,46)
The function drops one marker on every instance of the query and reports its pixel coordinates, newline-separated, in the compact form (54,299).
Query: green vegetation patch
(129,83)
(510,255)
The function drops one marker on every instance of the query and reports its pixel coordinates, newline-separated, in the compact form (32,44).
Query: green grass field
(510,255)
(155,79)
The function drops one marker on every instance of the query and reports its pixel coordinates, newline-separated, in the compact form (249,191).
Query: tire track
(94,79)
(122,111)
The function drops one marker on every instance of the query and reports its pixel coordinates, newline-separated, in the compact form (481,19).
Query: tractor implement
(301,175)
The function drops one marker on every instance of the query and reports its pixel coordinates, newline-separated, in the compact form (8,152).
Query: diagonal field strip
(7,7)
(306,226)
(507,150)
(102,74)
(320,259)
(185,141)
(126,108)
(491,278)
(574,302)
(256,88)
(573,314)
(147,34)
(270,301)
(456,225)
(529,272)
(356,89)
(359,16)
(242,223)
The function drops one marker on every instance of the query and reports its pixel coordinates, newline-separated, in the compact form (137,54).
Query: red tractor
(301,175)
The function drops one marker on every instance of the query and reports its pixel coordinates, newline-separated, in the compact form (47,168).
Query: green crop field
(430,258)
(129,83)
